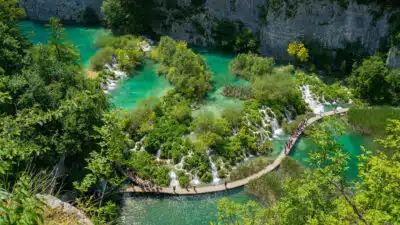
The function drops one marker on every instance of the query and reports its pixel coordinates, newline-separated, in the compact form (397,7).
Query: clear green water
(218,63)
(186,210)
(142,84)
(83,38)
(351,142)
(145,83)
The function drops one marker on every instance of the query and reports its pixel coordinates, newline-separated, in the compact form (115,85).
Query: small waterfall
(179,166)
(173,179)
(111,83)
(195,180)
(276,129)
(316,106)
(214,170)
(288,115)
(139,143)
(158,155)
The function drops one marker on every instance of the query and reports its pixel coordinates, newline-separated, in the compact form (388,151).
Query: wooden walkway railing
(239,183)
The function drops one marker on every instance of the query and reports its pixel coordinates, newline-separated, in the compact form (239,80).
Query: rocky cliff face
(66,10)
(322,21)
(393,60)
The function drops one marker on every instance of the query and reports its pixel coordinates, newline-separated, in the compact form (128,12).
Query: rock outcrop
(64,210)
(66,10)
(393,59)
(323,21)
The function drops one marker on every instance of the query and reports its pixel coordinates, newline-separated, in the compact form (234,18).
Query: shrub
(103,56)
(206,178)
(183,179)
(235,91)
(250,66)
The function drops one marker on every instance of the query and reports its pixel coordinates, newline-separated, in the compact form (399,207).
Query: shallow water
(140,85)
(178,210)
(82,37)
(351,142)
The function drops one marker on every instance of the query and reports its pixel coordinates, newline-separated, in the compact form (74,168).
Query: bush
(206,178)
(103,56)
(250,66)
(239,92)
(249,168)
(183,179)
(162,176)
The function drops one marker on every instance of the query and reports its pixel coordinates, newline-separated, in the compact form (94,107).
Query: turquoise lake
(144,83)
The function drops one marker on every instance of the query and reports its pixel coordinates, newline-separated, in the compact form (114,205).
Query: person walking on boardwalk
(174,188)
(226,184)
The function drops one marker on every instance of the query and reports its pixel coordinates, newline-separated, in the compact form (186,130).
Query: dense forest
(60,134)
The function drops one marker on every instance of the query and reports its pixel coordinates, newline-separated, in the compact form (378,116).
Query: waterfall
(139,145)
(288,115)
(179,166)
(174,179)
(214,170)
(158,155)
(111,83)
(276,129)
(195,180)
(316,106)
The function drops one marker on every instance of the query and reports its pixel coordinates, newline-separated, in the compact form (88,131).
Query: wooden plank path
(242,182)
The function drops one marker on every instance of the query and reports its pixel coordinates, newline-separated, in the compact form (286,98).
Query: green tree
(186,70)
(369,81)
(20,205)
(250,66)
(13,45)
(128,16)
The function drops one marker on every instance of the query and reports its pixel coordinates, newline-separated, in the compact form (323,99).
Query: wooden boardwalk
(242,182)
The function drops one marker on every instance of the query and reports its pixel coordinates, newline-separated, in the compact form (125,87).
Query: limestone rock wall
(320,20)
(66,10)
(393,60)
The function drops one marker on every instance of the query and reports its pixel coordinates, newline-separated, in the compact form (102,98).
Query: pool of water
(178,210)
(82,37)
(218,63)
(351,142)
(140,85)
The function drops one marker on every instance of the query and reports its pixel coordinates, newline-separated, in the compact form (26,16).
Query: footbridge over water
(239,183)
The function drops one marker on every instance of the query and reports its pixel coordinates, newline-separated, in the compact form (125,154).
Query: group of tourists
(292,140)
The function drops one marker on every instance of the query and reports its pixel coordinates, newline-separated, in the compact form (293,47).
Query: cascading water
(316,106)
(139,145)
(288,115)
(276,130)
(179,166)
(195,180)
(158,155)
(173,179)
(214,170)
(111,84)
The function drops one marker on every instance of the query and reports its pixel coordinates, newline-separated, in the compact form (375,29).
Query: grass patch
(249,168)
(372,120)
